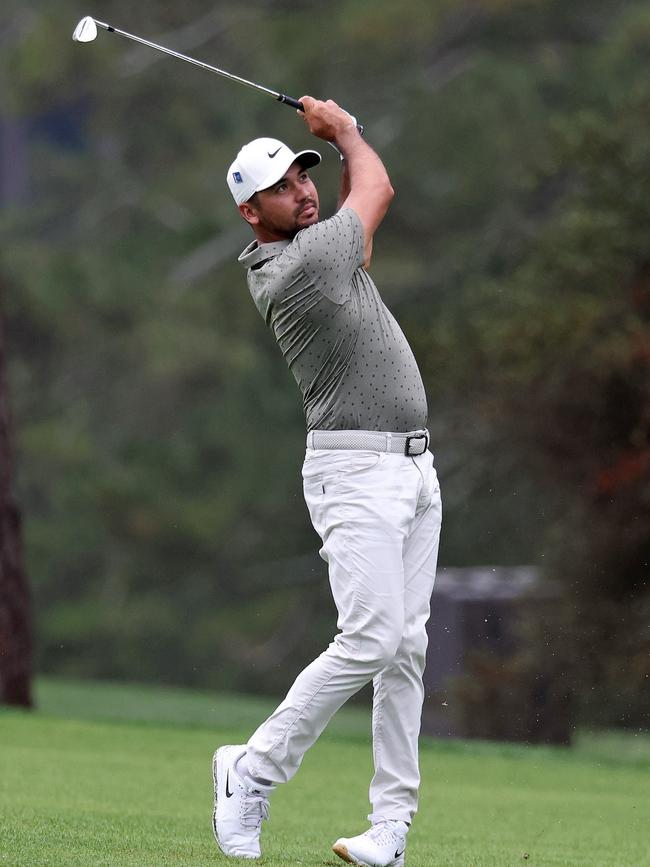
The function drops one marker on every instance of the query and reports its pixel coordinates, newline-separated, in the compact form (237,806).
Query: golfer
(369,482)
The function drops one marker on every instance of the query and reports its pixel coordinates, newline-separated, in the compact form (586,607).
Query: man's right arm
(370,188)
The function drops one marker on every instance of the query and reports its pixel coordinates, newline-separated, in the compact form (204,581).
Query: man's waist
(410,444)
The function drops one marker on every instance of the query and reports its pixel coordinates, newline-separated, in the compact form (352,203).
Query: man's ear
(249,213)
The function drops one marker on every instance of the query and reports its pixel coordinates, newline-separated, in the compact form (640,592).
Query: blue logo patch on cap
(237,177)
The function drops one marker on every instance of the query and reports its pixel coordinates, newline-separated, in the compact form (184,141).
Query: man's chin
(307,218)
(303,220)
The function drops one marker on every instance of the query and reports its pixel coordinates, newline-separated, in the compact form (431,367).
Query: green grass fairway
(108,775)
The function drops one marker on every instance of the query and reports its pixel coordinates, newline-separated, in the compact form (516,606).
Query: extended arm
(370,190)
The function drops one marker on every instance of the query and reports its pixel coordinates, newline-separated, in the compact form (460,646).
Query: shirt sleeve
(331,251)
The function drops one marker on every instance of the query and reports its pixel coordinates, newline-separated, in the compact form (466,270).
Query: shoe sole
(220,758)
(215,780)
(342,851)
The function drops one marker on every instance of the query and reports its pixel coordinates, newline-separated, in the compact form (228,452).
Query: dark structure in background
(15,603)
(497,666)
(492,672)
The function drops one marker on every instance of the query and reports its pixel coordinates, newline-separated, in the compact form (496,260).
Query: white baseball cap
(261,163)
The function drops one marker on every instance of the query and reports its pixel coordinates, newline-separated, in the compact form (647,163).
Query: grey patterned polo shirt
(351,360)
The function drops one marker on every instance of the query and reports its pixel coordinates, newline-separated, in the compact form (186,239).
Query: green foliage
(159,434)
(559,361)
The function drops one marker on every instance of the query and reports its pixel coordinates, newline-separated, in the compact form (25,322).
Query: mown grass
(112,775)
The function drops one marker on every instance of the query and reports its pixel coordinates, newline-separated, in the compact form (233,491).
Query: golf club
(86,31)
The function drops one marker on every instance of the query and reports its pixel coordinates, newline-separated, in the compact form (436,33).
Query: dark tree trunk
(15,601)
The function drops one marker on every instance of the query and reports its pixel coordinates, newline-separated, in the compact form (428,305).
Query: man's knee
(376,642)
(412,649)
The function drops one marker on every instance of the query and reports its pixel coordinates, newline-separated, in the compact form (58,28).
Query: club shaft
(209,67)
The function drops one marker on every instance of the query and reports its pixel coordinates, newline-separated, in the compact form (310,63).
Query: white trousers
(379,518)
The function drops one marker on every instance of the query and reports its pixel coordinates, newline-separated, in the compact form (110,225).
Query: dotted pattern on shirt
(350,358)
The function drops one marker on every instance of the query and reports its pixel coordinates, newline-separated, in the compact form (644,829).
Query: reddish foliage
(631,467)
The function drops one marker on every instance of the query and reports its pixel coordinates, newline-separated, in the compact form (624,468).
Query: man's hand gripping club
(366,187)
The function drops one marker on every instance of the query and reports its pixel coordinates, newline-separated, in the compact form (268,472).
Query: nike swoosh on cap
(274,153)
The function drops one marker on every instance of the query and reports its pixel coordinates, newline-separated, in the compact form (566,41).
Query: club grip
(289,100)
(295,103)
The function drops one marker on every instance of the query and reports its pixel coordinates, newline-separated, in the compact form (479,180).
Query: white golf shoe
(239,808)
(382,845)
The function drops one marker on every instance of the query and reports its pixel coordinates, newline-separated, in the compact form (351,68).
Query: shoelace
(255,808)
(383,834)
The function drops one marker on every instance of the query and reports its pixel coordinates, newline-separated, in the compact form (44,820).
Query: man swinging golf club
(369,481)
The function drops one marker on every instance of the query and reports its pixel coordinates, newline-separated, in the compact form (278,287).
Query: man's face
(281,211)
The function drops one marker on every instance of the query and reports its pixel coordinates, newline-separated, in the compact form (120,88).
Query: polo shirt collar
(256,253)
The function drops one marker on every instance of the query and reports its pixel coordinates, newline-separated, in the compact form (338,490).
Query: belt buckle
(422,436)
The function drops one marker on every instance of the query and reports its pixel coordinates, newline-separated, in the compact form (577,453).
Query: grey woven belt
(410,444)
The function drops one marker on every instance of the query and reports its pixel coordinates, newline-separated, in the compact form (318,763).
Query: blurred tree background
(159,435)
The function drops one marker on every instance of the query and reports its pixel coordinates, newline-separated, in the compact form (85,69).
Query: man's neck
(267,236)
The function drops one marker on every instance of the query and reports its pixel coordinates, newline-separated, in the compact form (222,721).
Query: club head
(86,30)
